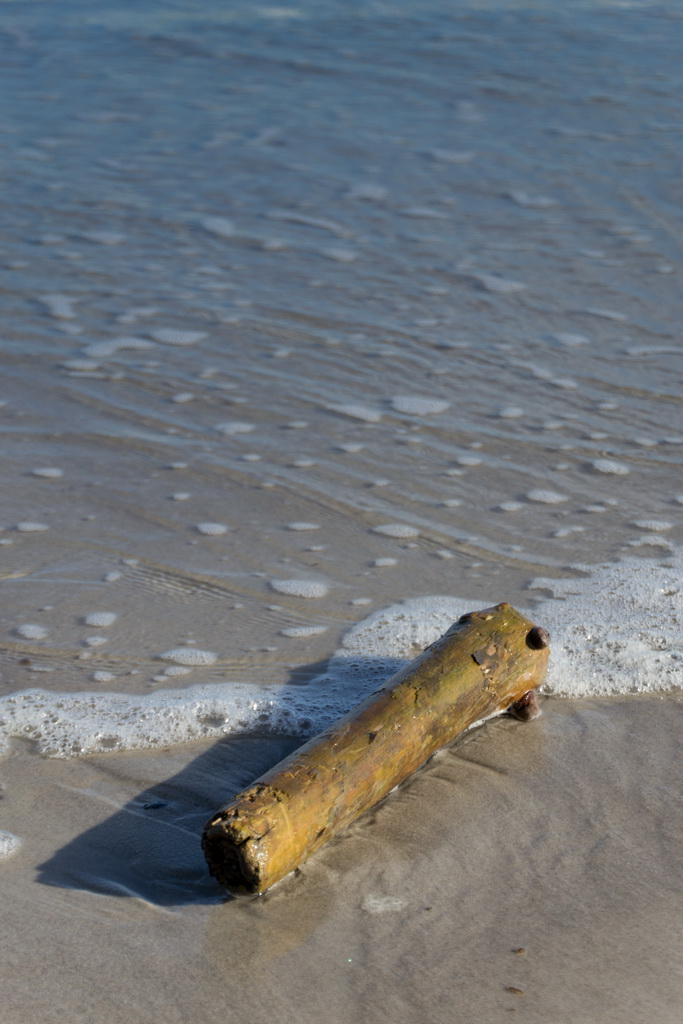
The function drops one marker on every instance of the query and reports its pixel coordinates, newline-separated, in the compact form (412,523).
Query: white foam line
(614,631)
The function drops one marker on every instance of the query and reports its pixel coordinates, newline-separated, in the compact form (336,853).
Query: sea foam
(171,336)
(300,588)
(396,530)
(9,844)
(32,631)
(189,656)
(615,630)
(610,466)
(102,349)
(418,405)
(234,427)
(212,529)
(100,619)
(357,412)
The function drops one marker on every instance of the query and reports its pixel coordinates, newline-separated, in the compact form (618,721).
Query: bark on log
(487,662)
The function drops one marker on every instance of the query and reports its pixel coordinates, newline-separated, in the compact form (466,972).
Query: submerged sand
(530,868)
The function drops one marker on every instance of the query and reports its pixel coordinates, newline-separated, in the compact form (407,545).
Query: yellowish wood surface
(484,663)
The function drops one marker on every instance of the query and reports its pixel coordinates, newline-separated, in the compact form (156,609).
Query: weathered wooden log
(487,662)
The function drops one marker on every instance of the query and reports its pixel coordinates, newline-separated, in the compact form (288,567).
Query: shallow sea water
(308,311)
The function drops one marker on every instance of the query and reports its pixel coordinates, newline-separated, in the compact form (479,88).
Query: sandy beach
(534,870)
(322,324)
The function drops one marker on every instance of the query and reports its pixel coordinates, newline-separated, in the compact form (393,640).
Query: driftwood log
(489,661)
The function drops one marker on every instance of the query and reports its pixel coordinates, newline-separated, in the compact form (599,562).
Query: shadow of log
(150,848)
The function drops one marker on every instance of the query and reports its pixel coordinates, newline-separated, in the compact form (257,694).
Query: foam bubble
(220,226)
(340,255)
(396,530)
(357,412)
(652,540)
(610,466)
(546,497)
(424,211)
(383,904)
(300,588)
(100,619)
(80,365)
(101,349)
(534,202)
(102,237)
(212,529)
(49,472)
(511,412)
(509,506)
(381,563)
(31,631)
(9,844)
(607,314)
(303,631)
(571,340)
(297,217)
(303,527)
(453,156)
(499,285)
(112,577)
(653,525)
(28,527)
(234,427)
(171,336)
(181,496)
(418,405)
(367,190)
(183,397)
(189,656)
(95,641)
(59,306)
(103,677)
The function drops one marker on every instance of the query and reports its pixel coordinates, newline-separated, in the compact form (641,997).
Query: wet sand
(531,868)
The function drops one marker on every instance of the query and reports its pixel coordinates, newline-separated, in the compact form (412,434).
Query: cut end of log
(228,860)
